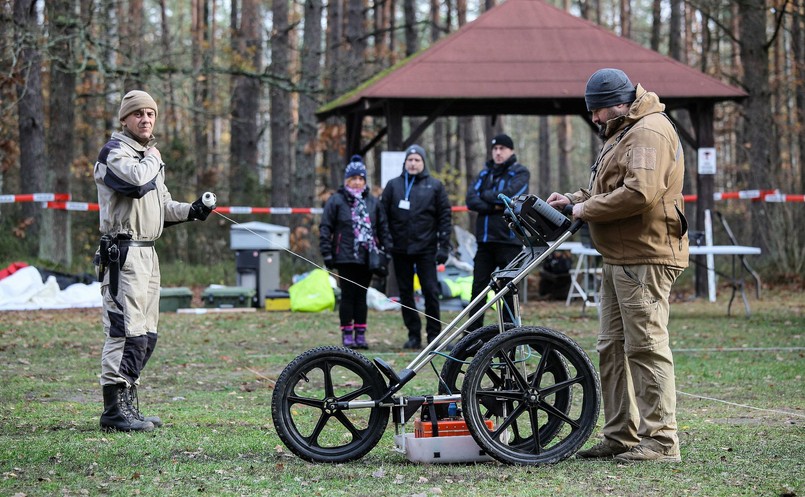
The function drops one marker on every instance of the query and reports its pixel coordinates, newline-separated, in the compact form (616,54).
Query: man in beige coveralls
(135,205)
(634,209)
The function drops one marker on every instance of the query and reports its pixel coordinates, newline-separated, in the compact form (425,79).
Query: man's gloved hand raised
(201,208)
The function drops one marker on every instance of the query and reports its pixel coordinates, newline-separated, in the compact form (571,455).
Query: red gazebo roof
(524,57)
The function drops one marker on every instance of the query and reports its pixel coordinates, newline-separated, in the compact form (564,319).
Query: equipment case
(173,299)
(227,296)
(278,300)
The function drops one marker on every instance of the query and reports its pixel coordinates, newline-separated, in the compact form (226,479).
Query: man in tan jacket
(634,208)
(135,205)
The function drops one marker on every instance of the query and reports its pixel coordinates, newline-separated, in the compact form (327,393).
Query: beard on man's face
(602,131)
(612,123)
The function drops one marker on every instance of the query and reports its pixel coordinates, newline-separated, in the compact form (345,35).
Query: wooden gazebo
(525,57)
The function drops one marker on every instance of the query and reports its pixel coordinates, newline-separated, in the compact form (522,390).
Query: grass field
(741,410)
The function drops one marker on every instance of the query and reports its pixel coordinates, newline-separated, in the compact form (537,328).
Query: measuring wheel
(541,414)
(305,405)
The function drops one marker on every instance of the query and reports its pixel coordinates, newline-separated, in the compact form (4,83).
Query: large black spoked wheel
(509,383)
(305,412)
(455,366)
(454,371)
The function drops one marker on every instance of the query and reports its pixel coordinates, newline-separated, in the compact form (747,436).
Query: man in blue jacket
(419,217)
(497,245)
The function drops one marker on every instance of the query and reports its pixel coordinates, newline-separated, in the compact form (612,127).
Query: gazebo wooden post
(704,115)
(354,127)
(394,115)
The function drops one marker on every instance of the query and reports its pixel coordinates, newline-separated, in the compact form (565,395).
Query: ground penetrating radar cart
(529,395)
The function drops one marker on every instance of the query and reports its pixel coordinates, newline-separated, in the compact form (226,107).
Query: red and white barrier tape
(755,195)
(73,206)
(34,197)
(62,201)
(234,209)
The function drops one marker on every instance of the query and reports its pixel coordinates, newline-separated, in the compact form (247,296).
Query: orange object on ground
(447,428)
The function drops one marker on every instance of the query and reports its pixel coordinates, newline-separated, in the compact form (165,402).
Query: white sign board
(391,166)
(707,160)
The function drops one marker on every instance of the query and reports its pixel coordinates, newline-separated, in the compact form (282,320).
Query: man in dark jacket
(419,216)
(497,245)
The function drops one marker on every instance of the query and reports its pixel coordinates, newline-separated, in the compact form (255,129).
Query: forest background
(238,83)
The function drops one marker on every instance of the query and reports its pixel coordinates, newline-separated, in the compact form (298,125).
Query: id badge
(404,205)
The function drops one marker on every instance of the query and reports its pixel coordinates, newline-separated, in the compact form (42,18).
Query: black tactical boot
(117,415)
(134,405)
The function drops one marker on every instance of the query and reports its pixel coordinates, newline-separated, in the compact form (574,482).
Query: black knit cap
(608,88)
(503,139)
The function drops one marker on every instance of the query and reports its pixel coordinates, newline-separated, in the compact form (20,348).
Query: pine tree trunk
(200,24)
(30,113)
(309,85)
(279,98)
(243,149)
(55,240)
(798,43)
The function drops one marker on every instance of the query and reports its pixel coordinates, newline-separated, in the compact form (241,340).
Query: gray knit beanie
(607,88)
(416,149)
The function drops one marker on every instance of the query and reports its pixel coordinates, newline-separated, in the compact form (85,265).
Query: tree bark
(675,31)
(759,148)
(333,139)
(542,183)
(169,113)
(205,177)
(439,135)
(758,123)
(656,24)
(798,43)
(55,240)
(565,146)
(243,151)
(305,173)
(131,47)
(279,99)
(466,124)
(355,43)
(626,18)
(30,113)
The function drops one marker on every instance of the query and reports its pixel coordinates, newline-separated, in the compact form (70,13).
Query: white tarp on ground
(24,290)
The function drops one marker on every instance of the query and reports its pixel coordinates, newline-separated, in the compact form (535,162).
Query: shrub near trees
(238,85)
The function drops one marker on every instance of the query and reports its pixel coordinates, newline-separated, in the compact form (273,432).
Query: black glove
(199,211)
(328,263)
(490,196)
(442,255)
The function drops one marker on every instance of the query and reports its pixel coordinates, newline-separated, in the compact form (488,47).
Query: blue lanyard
(408,185)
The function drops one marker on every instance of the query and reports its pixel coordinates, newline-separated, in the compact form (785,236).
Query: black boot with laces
(134,404)
(117,413)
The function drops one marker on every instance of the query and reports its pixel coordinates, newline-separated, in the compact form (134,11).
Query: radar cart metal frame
(529,395)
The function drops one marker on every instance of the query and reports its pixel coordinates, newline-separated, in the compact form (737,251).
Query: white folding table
(585,275)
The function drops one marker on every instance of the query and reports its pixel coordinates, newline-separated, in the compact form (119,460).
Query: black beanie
(503,139)
(607,88)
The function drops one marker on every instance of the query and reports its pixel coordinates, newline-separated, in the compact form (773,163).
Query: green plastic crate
(173,299)
(228,297)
